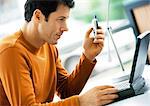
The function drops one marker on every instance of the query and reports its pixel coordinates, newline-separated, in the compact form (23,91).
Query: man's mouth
(58,36)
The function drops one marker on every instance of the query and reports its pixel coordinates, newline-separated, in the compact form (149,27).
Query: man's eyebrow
(63,17)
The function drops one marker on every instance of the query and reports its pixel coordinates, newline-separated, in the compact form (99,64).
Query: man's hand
(98,96)
(93,46)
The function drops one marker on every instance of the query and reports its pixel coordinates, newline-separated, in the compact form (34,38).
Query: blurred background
(70,45)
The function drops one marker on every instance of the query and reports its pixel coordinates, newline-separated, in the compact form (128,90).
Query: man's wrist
(89,57)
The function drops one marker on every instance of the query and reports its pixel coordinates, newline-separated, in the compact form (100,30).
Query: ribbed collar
(27,44)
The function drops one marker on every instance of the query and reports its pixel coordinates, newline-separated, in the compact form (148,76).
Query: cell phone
(95,25)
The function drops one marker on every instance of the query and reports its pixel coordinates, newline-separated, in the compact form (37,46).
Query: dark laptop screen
(140,57)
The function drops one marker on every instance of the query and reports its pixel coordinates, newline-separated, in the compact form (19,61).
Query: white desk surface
(140,100)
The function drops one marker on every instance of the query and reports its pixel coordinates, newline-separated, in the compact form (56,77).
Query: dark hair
(46,7)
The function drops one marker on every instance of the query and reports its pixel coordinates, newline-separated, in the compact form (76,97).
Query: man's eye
(62,19)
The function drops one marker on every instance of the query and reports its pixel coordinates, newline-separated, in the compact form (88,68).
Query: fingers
(88,32)
(104,102)
(106,99)
(100,36)
(109,97)
(108,91)
(100,33)
(99,41)
(104,87)
(98,96)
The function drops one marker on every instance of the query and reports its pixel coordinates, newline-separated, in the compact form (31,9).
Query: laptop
(136,83)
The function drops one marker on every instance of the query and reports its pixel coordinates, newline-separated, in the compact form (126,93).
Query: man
(30,67)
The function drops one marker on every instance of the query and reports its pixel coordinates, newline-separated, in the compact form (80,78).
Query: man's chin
(54,43)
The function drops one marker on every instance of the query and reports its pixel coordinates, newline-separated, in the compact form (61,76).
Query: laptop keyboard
(123,85)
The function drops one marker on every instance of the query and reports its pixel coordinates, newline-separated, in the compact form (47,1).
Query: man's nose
(64,27)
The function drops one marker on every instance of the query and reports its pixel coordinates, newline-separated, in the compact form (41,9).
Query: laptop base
(123,94)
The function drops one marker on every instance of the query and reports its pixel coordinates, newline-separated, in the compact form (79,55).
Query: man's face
(52,30)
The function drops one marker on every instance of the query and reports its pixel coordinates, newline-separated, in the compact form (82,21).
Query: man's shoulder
(8,41)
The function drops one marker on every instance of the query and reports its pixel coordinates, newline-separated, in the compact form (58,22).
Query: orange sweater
(30,76)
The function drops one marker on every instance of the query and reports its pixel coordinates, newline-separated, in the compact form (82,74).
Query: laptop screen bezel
(135,73)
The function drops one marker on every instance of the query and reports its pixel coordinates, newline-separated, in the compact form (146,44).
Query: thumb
(88,32)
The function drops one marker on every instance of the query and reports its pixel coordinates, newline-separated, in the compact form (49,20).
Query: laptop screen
(140,56)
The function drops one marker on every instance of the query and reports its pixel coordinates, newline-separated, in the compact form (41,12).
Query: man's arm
(97,96)
(17,83)
(73,84)
(68,85)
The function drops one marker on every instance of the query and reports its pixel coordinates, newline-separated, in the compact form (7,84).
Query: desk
(140,100)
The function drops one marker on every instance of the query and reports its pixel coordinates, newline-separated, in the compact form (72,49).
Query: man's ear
(37,15)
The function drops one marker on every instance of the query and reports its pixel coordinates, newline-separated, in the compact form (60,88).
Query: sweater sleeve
(68,85)
(17,83)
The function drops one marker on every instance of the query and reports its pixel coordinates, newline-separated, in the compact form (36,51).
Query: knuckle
(95,87)
(97,102)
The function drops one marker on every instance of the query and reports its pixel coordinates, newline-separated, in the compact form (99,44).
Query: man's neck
(30,33)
